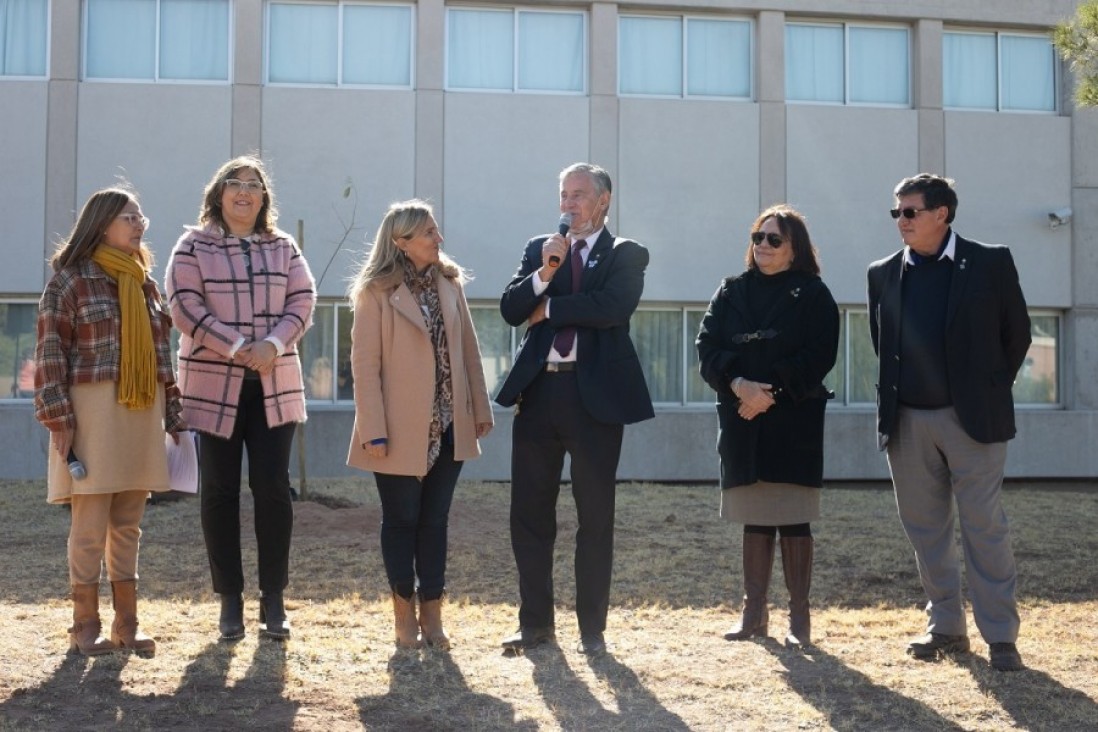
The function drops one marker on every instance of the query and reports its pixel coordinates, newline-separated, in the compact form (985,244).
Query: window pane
(696,388)
(863,362)
(879,70)
(494,336)
(968,70)
(194,39)
(480,49)
(377,45)
(718,60)
(121,39)
(1029,79)
(814,63)
(302,44)
(1037,381)
(23,37)
(650,56)
(836,378)
(17,341)
(658,337)
(551,51)
(345,380)
(316,354)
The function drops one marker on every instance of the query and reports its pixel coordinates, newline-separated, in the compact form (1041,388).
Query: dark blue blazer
(987,337)
(611,381)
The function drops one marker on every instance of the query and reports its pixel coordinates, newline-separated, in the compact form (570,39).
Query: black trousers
(551,422)
(220,463)
(415,514)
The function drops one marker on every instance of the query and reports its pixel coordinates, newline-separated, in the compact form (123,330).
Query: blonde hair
(384,266)
(210,211)
(101,208)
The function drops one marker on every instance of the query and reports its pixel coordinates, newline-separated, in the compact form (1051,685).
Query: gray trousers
(934,462)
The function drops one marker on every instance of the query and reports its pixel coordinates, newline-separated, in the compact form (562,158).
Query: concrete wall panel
(23,118)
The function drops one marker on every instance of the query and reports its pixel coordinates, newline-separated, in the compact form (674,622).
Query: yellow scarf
(137,383)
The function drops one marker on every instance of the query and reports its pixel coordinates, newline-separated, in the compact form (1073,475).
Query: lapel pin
(795,292)
(963,263)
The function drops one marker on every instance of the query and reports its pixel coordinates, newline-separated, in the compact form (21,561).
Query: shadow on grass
(428,691)
(577,708)
(206,699)
(90,687)
(1035,700)
(849,699)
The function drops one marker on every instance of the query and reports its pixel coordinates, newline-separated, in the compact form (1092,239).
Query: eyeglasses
(236,185)
(774,240)
(134,220)
(907,213)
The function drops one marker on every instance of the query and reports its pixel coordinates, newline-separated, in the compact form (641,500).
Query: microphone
(563,226)
(76,468)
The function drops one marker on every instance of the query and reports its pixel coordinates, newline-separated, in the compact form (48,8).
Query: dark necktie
(566,337)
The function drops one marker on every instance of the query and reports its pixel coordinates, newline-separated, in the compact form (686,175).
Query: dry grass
(676,577)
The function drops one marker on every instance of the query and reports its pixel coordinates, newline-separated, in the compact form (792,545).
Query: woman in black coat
(766,343)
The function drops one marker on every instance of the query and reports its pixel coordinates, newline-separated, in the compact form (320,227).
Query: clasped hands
(755,397)
(258,355)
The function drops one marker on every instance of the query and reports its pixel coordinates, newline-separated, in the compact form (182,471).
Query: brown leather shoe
(933,645)
(124,631)
(430,624)
(1005,657)
(84,635)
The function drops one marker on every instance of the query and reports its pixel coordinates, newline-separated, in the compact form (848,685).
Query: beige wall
(23,118)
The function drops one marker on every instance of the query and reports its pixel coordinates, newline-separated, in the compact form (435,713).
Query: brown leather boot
(404,621)
(758,560)
(430,622)
(84,633)
(124,632)
(797,564)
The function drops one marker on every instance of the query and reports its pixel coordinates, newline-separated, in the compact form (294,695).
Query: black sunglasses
(774,240)
(907,213)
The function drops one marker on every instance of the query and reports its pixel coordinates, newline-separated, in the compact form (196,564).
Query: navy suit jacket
(611,382)
(987,337)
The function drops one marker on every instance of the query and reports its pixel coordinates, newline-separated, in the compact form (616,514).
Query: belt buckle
(552,366)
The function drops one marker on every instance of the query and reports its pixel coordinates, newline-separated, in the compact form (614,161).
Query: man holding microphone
(575,383)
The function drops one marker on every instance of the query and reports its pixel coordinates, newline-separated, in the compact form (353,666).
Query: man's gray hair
(598,176)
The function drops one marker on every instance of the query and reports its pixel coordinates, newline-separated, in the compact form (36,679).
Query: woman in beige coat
(420,405)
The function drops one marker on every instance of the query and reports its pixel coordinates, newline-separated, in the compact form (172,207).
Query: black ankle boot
(231,623)
(272,617)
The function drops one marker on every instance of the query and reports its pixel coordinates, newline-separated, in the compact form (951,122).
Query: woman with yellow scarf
(105,389)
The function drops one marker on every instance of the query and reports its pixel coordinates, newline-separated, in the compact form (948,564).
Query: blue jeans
(414,519)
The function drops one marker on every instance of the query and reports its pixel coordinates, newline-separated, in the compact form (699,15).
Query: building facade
(704,113)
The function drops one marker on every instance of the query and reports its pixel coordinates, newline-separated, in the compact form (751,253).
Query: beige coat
(393,364)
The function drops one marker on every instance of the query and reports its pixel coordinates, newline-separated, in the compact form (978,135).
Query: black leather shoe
(231,622)
(1005,657)
(272,618)
(591,644)
(528,638)
(932,645)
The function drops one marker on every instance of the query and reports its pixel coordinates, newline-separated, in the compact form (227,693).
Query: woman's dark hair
(211,213)
(101,208)
(791,225)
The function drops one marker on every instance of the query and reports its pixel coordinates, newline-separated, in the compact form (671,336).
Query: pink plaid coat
(214,302)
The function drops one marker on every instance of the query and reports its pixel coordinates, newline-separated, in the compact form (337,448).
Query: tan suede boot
(124,632)
(797,564)
(430,622)
(84,634)
(404,621)
(758,560)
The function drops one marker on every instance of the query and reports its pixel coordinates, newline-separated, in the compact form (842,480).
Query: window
(18,336)
(1038,382)
(999,72)
(516,50)
(23,37)
(847,64)
(340,44)
(157,40)
(326,354)
(685,57)
(497,344)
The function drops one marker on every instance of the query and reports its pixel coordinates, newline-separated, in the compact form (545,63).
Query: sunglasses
(907,213)
(774,240)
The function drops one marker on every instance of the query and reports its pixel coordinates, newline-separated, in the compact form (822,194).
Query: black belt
(759,335)
(554,367)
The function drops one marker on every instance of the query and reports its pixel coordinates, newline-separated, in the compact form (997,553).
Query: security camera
(1059,217)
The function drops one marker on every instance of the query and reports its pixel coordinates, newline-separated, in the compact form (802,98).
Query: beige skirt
(770,504)
(121,448)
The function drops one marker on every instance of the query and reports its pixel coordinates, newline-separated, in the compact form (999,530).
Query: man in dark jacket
(950,328)
(575,383)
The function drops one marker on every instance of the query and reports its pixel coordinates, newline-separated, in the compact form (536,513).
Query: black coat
(792,347)
(987,337)
(611,381)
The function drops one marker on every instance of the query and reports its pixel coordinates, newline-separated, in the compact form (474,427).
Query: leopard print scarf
(425,290)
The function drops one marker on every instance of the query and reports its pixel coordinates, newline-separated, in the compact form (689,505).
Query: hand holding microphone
(563,226)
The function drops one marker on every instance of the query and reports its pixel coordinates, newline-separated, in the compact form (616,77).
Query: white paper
(182,462)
